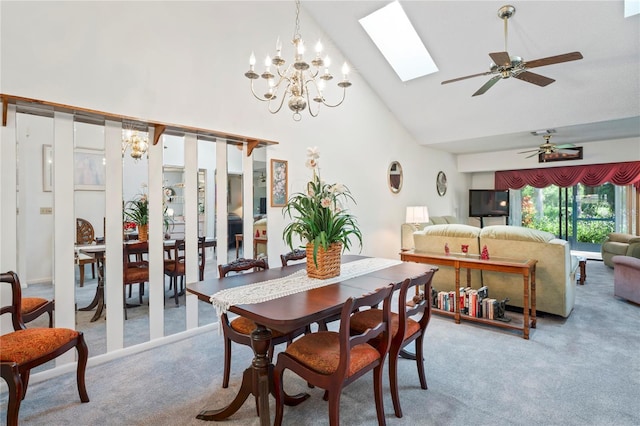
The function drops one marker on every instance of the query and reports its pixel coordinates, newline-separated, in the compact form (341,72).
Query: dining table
(98,251)
(289,313)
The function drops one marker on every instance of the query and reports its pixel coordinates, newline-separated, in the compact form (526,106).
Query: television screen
(488,202)
(263,205)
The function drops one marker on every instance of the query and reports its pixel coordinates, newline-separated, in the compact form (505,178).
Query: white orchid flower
(313,153)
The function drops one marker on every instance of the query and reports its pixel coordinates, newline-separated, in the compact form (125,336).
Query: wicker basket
(328,262)
(143,232)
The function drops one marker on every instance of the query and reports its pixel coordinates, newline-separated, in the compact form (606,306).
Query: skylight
(399,43)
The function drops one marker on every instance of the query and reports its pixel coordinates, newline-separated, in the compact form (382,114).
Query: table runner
(294,283)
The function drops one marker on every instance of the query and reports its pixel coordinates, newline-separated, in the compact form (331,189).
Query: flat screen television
(488,202)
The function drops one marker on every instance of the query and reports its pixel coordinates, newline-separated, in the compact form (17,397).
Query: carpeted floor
(575,371)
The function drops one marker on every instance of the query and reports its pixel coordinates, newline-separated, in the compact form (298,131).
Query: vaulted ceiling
(593,99)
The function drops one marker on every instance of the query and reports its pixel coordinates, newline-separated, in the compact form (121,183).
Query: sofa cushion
(452,230)
(623,238)
(615,247)
(516,233)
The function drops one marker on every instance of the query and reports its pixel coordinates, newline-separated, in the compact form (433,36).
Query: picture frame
(47,168)
(279,183)
(90,171)
(566,154)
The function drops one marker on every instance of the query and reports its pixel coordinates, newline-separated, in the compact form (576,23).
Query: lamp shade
(417,214)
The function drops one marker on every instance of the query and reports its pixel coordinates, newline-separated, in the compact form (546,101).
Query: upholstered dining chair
(296,254)
(174,268)
(33,307)
(135,270)
(239,329)
(26,348)
(332,360)
(85,235)
(408,324)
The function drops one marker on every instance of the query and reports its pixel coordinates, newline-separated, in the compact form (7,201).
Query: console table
(526,268)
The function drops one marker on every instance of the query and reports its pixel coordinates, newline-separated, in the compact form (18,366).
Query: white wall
(183,62)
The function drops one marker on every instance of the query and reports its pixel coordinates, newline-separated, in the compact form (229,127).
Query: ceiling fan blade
(501,59)
(534,78)
(573,56)
(530,150)
(487,85)
(565,145)
(464,78)
(534,154)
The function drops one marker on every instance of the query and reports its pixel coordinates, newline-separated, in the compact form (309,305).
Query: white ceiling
(596,98)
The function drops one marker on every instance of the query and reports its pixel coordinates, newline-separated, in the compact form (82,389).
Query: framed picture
(565,154)
(90,173)
(47,168)
(279,183)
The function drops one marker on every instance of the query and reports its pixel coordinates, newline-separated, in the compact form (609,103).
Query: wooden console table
(526,268)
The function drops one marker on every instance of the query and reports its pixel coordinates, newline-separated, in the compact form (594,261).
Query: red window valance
(591,175)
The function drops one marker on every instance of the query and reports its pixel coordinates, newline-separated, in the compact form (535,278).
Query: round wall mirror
(395,177)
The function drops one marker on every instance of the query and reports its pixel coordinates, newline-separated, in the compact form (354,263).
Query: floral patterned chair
(24,349)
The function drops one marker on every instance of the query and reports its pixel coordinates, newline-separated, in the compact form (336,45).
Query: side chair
(297,254)
(33,307)
(26,348)
(135,270)
(85,235)
(408,324)
(174,268)
(332,360)
(240,328)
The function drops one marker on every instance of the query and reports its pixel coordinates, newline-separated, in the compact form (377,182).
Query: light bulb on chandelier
(297,80)
(137,141)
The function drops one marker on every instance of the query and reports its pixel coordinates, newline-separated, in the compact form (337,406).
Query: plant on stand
(137,211)
(320,219)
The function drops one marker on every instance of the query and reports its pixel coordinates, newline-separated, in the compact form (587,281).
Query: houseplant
(137,211)
(320,219)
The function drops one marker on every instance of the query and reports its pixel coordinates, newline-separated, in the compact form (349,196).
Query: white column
(113,237)
(190,193)
(156,239)
(8,207)
(221,202)
(64,227)
(247,203)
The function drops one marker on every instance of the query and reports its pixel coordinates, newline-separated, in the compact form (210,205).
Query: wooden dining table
(287,314)
(98,251)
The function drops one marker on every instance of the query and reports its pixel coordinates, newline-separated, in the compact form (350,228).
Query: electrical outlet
(46,210)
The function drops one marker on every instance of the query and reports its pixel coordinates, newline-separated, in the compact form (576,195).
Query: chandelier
(137,141)
(299,82)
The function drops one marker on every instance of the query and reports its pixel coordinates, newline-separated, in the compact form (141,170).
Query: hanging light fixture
(299,82)
(136,140)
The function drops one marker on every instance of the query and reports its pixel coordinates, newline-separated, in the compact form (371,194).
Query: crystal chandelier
(299,82)
(137,141)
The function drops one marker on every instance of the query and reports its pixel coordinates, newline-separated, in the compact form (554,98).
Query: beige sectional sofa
(555,270)
(407,229)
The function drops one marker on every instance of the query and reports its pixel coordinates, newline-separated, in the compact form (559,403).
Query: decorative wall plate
(441,183)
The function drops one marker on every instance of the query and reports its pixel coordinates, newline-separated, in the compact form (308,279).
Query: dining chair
(332,360)
(174,268)
(297,254)
(408,324)
(202,258)
(135,268)
(85,235)
(240,328)
(26,348)
(32,307)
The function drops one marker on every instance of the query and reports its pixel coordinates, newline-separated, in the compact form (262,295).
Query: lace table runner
(294,283)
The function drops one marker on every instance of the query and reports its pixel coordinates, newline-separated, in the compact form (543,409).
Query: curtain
(591,175)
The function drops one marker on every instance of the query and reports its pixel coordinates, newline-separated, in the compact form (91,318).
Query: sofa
(407,229)
(555,271)
(626,278)
(619,244)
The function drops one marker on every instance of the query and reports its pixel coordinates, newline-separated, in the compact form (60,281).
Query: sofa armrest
(634,250)
(623,238)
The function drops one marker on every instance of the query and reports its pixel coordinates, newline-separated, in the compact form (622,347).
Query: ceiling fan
(505,66)
(547,147)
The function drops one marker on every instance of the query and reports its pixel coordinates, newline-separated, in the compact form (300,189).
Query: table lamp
(417,215)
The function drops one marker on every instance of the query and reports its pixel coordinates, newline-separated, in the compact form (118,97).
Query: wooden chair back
(135,267)
(297,254)
(242,264)
(84,232)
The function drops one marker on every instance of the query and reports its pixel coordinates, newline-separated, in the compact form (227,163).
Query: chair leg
(125,300)
(334,409)
(24,378)
(377,389)
(81,269)
(393,382)
(420,363)
(175,289)
(279,395)
(140,291)
(227,363)
(93,270)
(11,375)
(83,355)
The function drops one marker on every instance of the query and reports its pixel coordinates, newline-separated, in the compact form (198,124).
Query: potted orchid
(320,219)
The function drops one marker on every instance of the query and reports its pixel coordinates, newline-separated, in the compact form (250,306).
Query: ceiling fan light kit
(506,66)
